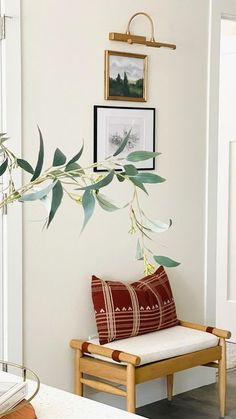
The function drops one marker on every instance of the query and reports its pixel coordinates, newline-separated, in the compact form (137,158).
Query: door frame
(12,278)
(218,9)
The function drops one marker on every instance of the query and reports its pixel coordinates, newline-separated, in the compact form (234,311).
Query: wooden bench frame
(131,374)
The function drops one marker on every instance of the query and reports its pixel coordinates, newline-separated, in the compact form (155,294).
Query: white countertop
(52,403)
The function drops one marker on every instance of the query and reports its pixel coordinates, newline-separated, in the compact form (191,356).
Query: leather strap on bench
(209,329)
(115,354)
(84,347)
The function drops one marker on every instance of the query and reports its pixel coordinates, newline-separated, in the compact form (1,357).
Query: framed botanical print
(111,125)
(125,76)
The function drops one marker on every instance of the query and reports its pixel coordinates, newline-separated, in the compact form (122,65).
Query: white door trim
(218,9)
(12,281)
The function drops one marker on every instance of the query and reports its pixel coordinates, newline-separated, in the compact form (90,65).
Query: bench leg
(130,389)
(169,382)
(78,374)
(222,378)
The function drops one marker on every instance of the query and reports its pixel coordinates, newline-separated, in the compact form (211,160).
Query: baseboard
(155,390)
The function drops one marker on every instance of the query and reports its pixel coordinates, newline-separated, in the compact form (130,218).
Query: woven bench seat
(163,344)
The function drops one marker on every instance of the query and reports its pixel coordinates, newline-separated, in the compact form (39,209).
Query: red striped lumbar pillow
(123,310)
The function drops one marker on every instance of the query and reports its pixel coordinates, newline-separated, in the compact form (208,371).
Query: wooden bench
(143,358)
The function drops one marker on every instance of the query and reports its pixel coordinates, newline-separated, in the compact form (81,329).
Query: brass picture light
(137,39)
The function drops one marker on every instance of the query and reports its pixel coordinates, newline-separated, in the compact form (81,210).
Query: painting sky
(132,66)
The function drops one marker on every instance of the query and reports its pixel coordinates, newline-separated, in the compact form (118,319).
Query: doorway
(226,206)
(220,298)
(11,218)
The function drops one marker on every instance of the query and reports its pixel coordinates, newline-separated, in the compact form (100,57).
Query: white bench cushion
(163,344)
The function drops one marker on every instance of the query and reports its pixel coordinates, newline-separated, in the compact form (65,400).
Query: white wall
(63,47)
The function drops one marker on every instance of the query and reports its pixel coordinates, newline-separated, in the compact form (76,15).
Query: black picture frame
(112,121)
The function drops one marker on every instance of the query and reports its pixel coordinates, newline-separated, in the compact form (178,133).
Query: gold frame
(108,53)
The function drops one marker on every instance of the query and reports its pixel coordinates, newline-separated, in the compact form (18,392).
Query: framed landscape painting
(111,125)
(125,76)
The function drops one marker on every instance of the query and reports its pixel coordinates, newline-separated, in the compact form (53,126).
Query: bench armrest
(225,334)
(117,356)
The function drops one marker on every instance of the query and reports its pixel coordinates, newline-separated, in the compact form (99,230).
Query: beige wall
(63,46)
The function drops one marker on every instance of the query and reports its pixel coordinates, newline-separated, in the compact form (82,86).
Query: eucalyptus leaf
(100,184)
(137,183)
(3,139)
(106,203)
(3,167)
(88,203)
(130,170)
(39,164)
(139,251)
(38,194)
(59,158)
(25,166)
(155,226)
(165,261)
(149,178)
(141,155)
(120,177)
(123,144)
(57,194)
(46,203)
(76,157)
(72,166)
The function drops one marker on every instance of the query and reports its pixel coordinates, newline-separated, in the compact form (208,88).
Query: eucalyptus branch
(83,186)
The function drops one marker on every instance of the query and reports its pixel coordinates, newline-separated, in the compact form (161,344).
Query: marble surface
(52,403)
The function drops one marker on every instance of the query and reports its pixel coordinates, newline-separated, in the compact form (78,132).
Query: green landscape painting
(126,77)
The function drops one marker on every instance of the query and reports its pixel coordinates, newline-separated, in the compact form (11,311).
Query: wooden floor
(195,404)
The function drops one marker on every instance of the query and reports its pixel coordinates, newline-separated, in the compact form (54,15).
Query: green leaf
(46,203)
(76,157)
(3,167)
(39,164)
(138,184)
(165,261)
(37,194)
(149,178)
(155,226)
(57,194)
(130,170)
(59,158)
(25,166)
(141,155)
(104,182)
(3,139)
(105,203)
(139,251)
(73,167)
(119,177)
(88,203)
(123,144)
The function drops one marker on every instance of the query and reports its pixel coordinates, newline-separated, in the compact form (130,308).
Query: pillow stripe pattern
(123,310)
